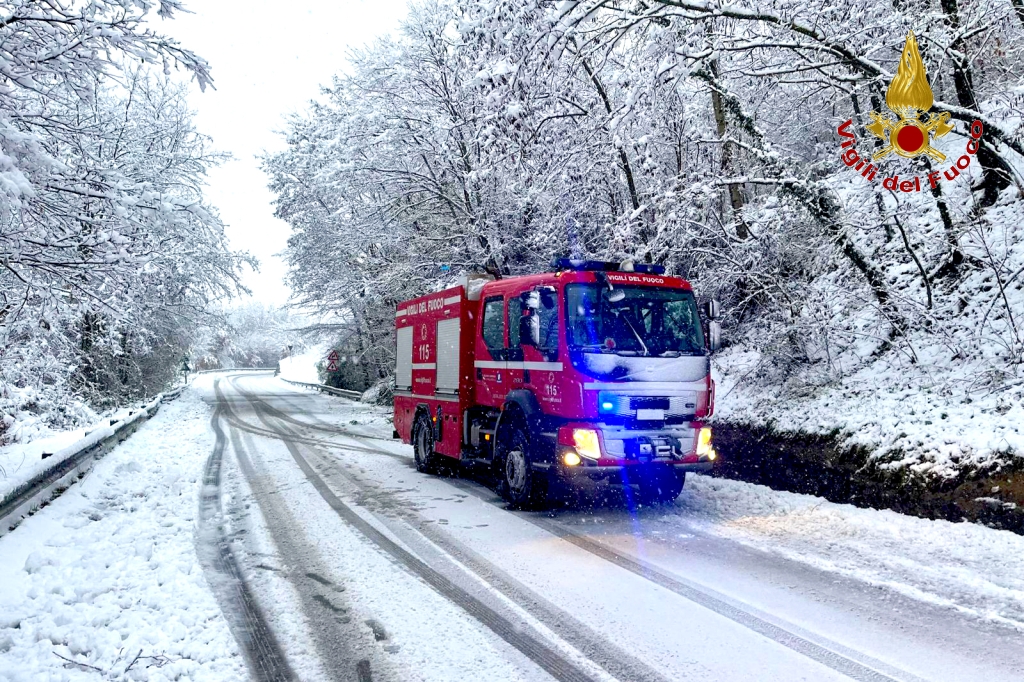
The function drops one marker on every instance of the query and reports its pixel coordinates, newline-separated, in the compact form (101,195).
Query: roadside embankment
(828,467)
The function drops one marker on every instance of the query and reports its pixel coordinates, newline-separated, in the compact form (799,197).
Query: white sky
(268,60)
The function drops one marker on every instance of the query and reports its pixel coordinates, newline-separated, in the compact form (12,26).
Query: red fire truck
(595,371)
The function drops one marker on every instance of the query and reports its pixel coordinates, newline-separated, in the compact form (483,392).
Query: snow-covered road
(416,577)
(332,558)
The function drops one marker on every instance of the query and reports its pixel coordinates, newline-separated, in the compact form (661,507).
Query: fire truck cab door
(539,357)
(491,365)
(514,353)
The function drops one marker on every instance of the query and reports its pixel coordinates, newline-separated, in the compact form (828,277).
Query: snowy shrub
(381,393)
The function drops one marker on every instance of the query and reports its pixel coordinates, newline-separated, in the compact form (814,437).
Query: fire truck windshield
(633,321)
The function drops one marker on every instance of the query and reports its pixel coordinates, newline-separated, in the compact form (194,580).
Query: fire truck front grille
(674,407)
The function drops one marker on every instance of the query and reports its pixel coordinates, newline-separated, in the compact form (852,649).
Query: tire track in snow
(712,601)
(543,655)
(615,660)
(242,425)
(862,668)
(322,426)
(248,624)
(827,653)
(334,635)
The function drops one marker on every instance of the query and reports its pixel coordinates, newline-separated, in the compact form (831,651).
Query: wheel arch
(421,409)
(520,406)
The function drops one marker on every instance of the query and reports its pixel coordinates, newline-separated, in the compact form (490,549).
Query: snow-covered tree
(249,335)
(697,135)
(70,215)
(109,255)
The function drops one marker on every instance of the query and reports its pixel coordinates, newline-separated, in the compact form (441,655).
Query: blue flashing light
(597,265)
(572,264)
(607,406)
(649,269)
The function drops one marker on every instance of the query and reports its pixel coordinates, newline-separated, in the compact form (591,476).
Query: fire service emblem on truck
(913,130)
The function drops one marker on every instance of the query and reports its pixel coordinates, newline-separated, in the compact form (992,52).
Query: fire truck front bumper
(598,452)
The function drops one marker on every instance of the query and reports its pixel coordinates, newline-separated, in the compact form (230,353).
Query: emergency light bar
(627,266)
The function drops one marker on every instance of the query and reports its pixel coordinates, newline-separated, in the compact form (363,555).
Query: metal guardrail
(235,369)
(353,395)
(73,462)
(168,396)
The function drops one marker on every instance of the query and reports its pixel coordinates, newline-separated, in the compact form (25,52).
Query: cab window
(493,327)
(548,314)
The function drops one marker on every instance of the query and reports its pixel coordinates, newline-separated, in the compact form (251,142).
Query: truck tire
(661,486)
(423,445)
(523,487)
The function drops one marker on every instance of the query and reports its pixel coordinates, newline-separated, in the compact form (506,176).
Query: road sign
(333,358)
(332,366)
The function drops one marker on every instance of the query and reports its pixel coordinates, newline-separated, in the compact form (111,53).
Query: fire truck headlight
(704,448)
(570,458)
(587,443)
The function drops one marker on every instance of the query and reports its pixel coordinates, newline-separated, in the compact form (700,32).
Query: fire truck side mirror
(712,310)
(548,297)
(714,336)
(540,297)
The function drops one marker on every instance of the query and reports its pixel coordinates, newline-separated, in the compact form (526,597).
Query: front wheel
(423,444)
(661,486)
(521,485)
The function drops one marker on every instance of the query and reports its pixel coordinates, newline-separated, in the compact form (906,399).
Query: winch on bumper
(602,451)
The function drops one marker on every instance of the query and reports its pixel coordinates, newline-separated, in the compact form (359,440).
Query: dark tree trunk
(995,171)
(627,168)
(735,196)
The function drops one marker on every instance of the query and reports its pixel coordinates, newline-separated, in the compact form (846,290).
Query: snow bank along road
(365,569)
(331,558)
(104,582)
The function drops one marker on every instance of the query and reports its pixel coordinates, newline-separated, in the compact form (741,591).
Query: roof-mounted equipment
(605,266)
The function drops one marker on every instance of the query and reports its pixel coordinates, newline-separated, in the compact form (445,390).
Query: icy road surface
(331,558)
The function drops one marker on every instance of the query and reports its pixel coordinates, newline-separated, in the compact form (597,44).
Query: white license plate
(650,415)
